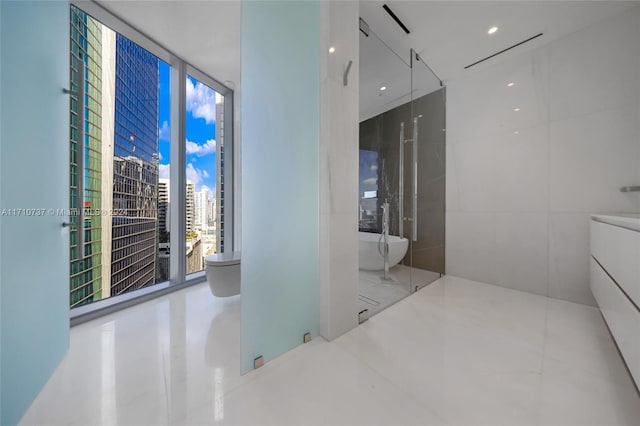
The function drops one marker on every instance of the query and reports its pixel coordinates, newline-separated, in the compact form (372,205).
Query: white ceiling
(449,35)
(204,33)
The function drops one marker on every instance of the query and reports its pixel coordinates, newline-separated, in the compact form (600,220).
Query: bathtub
(370,257)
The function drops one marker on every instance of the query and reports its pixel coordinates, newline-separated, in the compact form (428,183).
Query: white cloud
(207,148)
(163,171)
(159,156)
(201,101)
(164,132)
(194,175)
(374,167)
(370,181)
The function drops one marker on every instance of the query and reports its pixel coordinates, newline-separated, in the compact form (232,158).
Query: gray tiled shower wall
(381,134)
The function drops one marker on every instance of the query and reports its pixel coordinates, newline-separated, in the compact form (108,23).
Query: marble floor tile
(478,354)
(457,352)
(316,384)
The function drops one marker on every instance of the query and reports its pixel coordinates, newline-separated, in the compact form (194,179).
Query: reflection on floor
(376,294)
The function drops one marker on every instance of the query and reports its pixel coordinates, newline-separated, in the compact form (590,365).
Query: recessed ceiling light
(383,88)
(332,49)
(510,84)
(492,30)
(516,132)
(516,109)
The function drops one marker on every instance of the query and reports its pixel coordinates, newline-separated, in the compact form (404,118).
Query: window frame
(177,175)
(227,140)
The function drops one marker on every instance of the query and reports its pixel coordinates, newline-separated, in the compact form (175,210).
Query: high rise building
(135,168)
(201,205)
(190,206)
(164,200)
(164,262)
(220,173)
(120,138)
(108,128)
(86,274)
(194,259)
(164,227)
(211,211)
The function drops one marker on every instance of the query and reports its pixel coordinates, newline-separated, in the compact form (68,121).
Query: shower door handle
(415,181)
(401,183)
(630,189)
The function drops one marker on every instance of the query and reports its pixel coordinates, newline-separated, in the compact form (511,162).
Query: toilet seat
(223,273)
(223,259)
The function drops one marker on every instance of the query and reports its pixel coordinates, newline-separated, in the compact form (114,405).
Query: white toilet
(223,273)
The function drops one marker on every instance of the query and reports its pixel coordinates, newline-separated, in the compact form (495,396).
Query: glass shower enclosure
(402,175)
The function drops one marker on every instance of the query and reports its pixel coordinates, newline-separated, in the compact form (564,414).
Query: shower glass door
(402,174)
(424,175)
(385,103)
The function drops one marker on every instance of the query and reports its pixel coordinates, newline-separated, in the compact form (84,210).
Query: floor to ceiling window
(121,183)
(204,167)
(121,99)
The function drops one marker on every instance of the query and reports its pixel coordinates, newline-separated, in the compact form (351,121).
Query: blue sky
(200,130)
(368,171)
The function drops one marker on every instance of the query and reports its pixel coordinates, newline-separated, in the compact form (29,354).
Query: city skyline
(201,106)
(122,136)
(113,144)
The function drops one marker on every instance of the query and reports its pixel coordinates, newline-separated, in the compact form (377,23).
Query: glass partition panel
(428,174)
(385,115)
(280,185)
(402,172)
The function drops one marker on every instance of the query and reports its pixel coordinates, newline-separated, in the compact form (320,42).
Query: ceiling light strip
(502,51)
(395,18)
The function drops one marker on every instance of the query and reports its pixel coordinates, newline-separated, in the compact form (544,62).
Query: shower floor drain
(368,300)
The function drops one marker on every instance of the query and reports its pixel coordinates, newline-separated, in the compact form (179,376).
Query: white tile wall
(591,157)
(522,170)
(471,244)
(595,69)
(518,203)
(521,251)
(475,161)
(569,257)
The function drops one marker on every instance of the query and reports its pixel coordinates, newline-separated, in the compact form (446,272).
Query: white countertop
(625,220)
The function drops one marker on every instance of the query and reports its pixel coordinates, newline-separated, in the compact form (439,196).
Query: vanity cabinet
(615,281)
